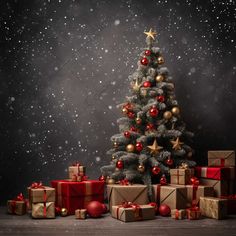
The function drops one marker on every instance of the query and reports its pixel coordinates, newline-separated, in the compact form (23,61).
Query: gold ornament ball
(167,115)
(138,121)
(159,78)
(113,157)
(130,148)
(160,60)
(110,181)
(64,212)
(124,110)
(141,168)
(175,111)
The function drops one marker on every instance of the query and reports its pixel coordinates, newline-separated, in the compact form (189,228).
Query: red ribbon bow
(76,164)
(37,185)
(124,182)
(19,197)
(194,181)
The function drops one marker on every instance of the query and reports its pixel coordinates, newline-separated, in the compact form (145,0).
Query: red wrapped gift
(76,195)
(231,203)
(218,173)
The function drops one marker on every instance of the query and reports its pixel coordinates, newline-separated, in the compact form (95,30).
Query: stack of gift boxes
(207,191)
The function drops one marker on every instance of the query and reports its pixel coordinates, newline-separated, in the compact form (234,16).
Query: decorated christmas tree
(153,138)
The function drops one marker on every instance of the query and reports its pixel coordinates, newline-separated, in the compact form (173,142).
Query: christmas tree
(153,138)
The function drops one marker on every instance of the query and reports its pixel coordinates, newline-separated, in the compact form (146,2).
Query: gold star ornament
(136,86)
(151,34)
(176,144)
(155,148)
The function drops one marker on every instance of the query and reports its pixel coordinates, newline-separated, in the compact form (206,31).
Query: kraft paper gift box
(76,170)
(81,214)
(221,158)
(181,176)
(77,195)
(215,208)
(178,214)
(193,213)
(16,207)
(195,192)
(218,173)
(143,212)
(41,194)
(44,210)
(117,194)
(221,187)
(174,196)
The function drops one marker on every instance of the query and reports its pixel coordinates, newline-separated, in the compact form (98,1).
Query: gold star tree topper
(155,148)
(176,144)
(151,34)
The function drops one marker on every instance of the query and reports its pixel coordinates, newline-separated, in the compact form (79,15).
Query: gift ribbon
(124,182)
(136,208)
(177,214)
(218,173)
(195,210)
(195,184)
(222,162)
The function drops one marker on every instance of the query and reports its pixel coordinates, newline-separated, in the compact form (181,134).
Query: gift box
(178,214)
(39,193)
(181,176)
(221,158)
(231,203)
(136,193)
(215,208)
(221,187)
(81,214)
(218,173)
(76,170)
(133,212)
(45,210)
(16,207)
(194,193)
(174,196)
(193,213)
(77,195)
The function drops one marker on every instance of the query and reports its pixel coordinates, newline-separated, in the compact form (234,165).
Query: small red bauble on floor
(119,164)
(156,170)
(127,134)
(95,209)
(147,84)
(153,112)
(155,206)
(144,61)
(164,210)
(148,52)
(139,146)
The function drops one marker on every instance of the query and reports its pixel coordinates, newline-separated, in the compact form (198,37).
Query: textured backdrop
(65,66)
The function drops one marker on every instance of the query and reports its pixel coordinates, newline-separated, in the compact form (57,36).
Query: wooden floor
(24,225)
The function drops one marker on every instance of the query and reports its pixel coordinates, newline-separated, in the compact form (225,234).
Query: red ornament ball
(131,115)
(139,146)
(102,178)
(156,170)
(119,164)
(169,161)
(160,98)
(148,52)
(57,211)
(95,209)
(149,126)
(163,180)
(144,61)
(164,210)
(153,204)
(127,134)
(147,84)
(105,210)
(153,112)
(132,128)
